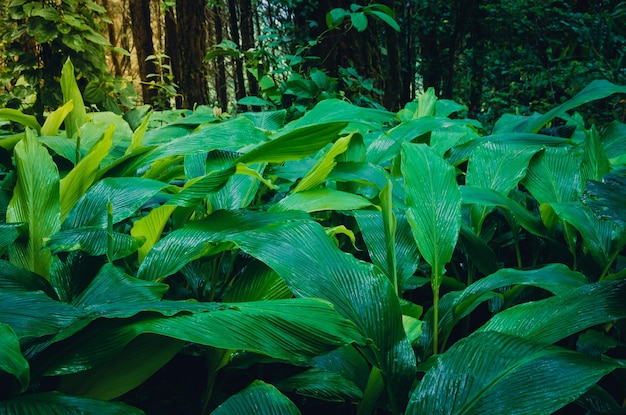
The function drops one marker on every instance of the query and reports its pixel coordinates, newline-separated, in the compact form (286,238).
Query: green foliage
(37,38)
(353,259)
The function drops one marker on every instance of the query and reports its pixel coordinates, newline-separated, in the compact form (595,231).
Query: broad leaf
(11,360)
(555,318)
(93,241)
(36,202)
(321,384)
(495,373)
(55,119)
(320,199)
(498,167)
(554,176)
(82,176)
(259,398)
(54,403)
(434,201)
(126,196)
(324,165)
(78,116)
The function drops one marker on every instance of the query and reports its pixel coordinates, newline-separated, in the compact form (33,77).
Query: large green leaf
(11,360)
(496,166)
(299,250)
(55,119)
(126,195)
(607,198)
(82,176)
(324,165)
(604,239)
(554,176)
(294,144)
(434,201)
(320,199)
(259,398)
(495,373)
(36,202)
(555,318)
(78,116)
(321,384)
(93,241)
(53,403)
(26,120)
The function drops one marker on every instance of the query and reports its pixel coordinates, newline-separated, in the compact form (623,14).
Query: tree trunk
(172,50)
(393,74)
(240,83)
(220,73)
(191,22)
(247,40)
(142,40)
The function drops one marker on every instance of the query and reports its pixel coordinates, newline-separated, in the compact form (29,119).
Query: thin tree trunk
(240,84)
(220,75)
(247,40)
(172,49)
(142,40)
(191,21)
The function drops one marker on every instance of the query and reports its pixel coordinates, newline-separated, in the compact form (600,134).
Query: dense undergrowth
(352,261)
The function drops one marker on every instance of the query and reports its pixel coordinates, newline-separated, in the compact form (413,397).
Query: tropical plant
(354,260)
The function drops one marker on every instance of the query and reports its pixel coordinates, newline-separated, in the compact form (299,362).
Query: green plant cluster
(36,39)
(353,261)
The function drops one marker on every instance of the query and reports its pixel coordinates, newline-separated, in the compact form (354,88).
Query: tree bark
(191,23)
(220,73)
(240,83)
(247,40)
(142,40)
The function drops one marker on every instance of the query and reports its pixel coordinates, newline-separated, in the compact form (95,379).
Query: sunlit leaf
(324,165)
(55,119)
(78,116)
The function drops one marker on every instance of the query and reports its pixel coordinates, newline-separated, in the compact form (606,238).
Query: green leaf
(387,18)
(36,202)
(554,176)
(604,239)
(295,144)
(258,398)
(126,194)
(493,373)
(555,318)
(320,199)
(595,163)
(324,165)
(608,198)
(321,384)
(74,185)
(488,197)
(598,89)
(359,21)
(55,119)
(58,404)
(29,121)
(498,167)
(11,359)
(78,115)
(335,17)
(93,241)
(434,201)
(150,228)
(133,365)
(197,189)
